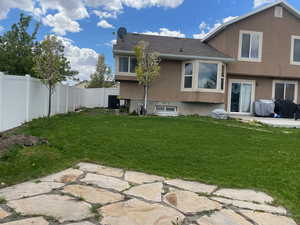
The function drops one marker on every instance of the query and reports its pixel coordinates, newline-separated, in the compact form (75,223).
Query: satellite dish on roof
(122,32)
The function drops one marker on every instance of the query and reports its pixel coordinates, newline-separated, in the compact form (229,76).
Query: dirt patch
(18,139)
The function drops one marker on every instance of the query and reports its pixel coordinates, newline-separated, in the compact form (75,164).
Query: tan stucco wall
(167,87)
(276,48)
(263,86)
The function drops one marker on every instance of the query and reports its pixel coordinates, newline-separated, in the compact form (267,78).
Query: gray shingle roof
(170,46)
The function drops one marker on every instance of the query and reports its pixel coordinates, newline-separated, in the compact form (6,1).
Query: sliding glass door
(241,96)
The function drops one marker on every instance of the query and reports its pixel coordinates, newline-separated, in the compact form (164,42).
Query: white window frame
(231,81)
(118,62)
(293,38)
(259,59)
(195,79)
(164,112)
(285,83)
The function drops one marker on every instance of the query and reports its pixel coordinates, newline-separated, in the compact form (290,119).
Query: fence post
(27,97)
(67,98)
(1,101)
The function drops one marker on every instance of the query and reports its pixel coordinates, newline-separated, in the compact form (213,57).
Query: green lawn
(226,153)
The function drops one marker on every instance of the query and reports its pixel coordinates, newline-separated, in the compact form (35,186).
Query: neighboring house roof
(170,47)
(284,4)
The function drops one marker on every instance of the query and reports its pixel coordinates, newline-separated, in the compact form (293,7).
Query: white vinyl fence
(23,98)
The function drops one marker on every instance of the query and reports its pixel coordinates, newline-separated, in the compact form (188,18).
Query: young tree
(103,75)
(147,69)
(17,48)
(51,66)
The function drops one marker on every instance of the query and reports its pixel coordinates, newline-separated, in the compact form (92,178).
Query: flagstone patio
(90,194)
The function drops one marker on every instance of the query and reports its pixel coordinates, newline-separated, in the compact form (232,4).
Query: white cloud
(83,60)
(150,3)
(103,14)
(111,43)
(258,3)
(166,32)
(104,24)
(61,24)
(6,5)
(74,9)
(205,29)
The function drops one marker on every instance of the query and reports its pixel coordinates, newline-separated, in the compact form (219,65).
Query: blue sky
(86,26)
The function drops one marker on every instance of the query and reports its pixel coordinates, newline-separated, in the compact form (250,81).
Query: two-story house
(255,56)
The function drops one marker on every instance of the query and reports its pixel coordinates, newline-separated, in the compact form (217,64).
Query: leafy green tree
(147,69)
(102,78)
(17,48)
(51,66)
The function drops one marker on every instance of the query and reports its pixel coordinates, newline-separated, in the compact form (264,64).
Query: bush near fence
(23,98)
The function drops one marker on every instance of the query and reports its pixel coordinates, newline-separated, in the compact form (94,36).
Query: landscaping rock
(30,221)
(252,206)
(106,182)
(245,195)
(189,202)
(93,195)
(66,176)
(267,219)
(223,217)
(62,208)
(192,186)
(103,170)
(151,192)
(141,178)
(28,189)
(3,214)
(136,212)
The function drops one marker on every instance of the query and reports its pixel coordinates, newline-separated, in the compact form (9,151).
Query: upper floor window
(295,50)
(127,64)
(250,46)
(203,75)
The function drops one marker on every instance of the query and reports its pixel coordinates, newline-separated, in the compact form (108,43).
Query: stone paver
(252,206)
(30,221)
(62,208)
(223,217)
(103,170)
(28,189)
(192,186)
(75,196)
(267,218)
(106,182)
(136,212)
(66,176)
(93,195)
(245,195)
(141,178)
(151,192)
(81,223)
(189,202)
(4,214)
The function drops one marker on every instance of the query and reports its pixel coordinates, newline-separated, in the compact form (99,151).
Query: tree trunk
(145,99)
(50,101)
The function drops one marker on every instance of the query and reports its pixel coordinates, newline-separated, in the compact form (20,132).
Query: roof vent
(278,12)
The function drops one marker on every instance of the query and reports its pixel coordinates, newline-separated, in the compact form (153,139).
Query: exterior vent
(278,12)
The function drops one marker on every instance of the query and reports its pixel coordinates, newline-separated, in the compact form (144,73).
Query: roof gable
(283,3)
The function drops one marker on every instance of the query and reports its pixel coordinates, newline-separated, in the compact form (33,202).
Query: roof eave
(179,57)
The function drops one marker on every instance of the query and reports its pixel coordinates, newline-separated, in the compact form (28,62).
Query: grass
(226,153)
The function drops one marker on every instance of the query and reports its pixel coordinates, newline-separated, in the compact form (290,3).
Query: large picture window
(127,64)
(285,90)
(203,76)
(250,47)
(295,50)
